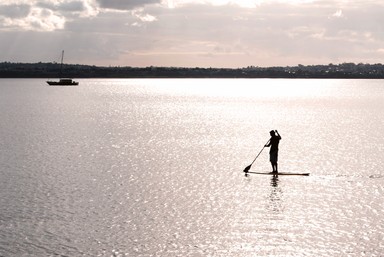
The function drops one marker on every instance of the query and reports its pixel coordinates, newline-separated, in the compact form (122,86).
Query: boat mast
(61,65)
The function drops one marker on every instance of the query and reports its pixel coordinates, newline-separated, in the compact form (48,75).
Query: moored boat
(63,82)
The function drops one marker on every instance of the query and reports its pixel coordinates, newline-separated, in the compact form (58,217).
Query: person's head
(272,133)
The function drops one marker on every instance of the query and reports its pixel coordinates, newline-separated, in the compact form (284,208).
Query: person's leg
(273,166)
(275,161)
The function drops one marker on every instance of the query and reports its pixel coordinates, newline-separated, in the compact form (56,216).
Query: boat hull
(63,82)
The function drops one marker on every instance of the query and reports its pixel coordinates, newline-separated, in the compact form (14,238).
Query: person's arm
(268,144)
(278,135)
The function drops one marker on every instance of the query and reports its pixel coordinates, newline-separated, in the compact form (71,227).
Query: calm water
(154,168)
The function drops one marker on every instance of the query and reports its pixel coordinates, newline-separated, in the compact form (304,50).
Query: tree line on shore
(52,70)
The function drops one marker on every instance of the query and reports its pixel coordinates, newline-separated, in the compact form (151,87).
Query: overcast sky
(192,33)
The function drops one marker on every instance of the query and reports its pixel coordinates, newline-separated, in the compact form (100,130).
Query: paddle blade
(247,168)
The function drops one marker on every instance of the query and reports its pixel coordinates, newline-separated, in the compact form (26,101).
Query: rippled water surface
(154,168)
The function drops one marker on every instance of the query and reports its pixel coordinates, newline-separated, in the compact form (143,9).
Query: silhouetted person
(273,152)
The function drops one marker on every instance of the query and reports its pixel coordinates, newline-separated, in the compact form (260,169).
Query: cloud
(43,15)
(30,18)
(338,14)
(220,33)
(44,19)
(125,4)
(76,8)
(15,11)
(143,17)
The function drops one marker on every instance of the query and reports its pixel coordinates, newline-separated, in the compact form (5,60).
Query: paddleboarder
(273,152)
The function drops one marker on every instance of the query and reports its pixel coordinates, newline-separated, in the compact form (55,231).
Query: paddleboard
(278,174)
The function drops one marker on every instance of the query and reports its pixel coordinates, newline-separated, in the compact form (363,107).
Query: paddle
(249,166)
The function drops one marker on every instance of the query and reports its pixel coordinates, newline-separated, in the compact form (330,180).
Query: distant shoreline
(330,71)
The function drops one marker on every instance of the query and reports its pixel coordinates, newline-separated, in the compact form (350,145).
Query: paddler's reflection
(276,196)
(275,180)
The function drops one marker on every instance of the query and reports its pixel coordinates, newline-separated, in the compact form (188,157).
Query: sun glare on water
(241,88)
